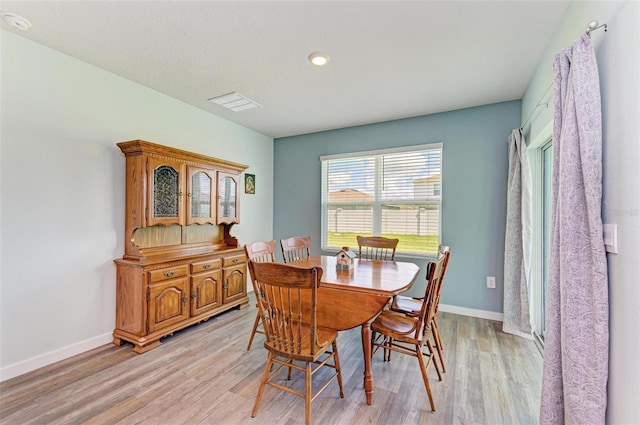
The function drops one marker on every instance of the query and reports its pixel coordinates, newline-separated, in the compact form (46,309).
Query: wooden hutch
(180,265)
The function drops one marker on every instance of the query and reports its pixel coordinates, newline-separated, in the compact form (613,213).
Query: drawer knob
(206,266)
(170,273)
(235,260)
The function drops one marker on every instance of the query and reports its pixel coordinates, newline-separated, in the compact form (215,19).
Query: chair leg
(265,376)
(387,351)
(373,340)
(256,323)
(336,361)
(423,369)
(438,341)
(432,356)
(307,396)
(382,343)
(289,373)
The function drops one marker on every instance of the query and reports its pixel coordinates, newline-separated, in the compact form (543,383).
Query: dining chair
(260,252)
(377,248)
(412,305)
(295,248)
(408,334)
(290,302)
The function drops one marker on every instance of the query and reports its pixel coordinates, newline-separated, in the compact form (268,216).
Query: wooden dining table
(350,298)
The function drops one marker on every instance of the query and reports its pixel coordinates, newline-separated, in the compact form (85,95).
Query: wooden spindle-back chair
(408,334)
(412,305)
(377,248)
(295,248)
(259,252)
(289,302)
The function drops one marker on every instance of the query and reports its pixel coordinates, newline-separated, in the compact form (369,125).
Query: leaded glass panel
(165,192)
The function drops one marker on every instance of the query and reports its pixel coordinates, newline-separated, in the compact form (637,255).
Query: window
(394,193)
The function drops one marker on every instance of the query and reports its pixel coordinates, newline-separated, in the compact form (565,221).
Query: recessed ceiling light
(235,101)
(318,58)
(16,21)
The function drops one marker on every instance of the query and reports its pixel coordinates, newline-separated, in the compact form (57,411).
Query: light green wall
(578,15)
(62,182)
(474,189)
(618,57)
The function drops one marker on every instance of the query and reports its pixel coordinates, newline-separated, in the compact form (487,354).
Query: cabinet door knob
(184,299)
(194,296)
(170,273)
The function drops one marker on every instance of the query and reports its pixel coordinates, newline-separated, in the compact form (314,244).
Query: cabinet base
(142,344)
(146,348)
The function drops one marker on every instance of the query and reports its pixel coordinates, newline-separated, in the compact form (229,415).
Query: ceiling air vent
(235,101)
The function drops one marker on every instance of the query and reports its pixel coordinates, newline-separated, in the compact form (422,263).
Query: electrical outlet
(491,282)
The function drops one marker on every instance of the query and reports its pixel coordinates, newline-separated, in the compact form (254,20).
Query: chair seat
(396,324)
(324,338)
(406,304)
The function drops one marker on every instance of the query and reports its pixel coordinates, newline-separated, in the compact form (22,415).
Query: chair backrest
(377,248)
(261,252)
(430,301)
(442,250)
(289,302)
(295,248)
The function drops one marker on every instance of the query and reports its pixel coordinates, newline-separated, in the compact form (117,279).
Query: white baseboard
(518,333)
(481,314)
(51,357)
(63,353)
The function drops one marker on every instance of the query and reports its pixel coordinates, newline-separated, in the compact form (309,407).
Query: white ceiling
(389,59)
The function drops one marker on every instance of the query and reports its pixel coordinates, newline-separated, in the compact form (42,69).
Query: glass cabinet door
(200,193)
(165,192)
(227,198)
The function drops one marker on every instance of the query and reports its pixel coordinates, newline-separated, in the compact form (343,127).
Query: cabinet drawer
(205,266)
(168,273)
(234,260)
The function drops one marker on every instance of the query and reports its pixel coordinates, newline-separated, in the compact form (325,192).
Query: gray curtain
(574,382)
(517,253)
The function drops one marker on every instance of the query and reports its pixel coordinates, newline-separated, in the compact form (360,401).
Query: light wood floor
(203,375)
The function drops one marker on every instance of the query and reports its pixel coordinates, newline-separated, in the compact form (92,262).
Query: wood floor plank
(204,375)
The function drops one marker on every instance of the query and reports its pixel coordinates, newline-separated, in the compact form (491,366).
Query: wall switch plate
(610,236)
(491,282)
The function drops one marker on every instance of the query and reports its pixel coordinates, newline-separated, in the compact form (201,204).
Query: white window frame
(377,203)
(535,150)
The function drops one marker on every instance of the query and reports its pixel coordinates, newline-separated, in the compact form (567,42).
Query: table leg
(366,349)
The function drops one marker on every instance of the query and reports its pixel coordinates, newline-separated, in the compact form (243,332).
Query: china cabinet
(181,265)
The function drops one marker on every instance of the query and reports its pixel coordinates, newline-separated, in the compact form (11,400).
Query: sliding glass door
(546,174)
